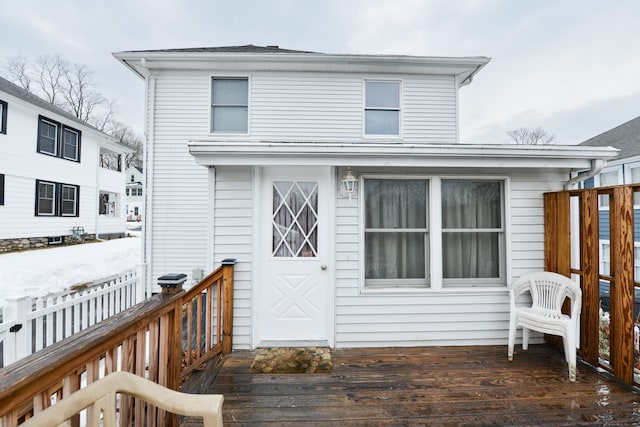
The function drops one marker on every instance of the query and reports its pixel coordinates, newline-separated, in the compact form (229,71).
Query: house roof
(459,156)
(16,91)
(625,137)
(274,58)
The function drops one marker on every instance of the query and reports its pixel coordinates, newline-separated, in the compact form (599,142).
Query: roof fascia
(145,63)
(209,153)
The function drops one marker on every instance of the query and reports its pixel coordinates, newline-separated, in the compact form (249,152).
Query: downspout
(147,229)
(596,166)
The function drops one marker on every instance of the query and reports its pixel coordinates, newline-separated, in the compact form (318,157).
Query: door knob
(323,266)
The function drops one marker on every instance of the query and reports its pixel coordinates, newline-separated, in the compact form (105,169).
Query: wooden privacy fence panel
(559,243)
(146,340)
(30,324)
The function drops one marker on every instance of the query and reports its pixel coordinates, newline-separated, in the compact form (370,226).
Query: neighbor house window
(382,108)
(229,104)
(605,259)
(127,191)
(607,179)
(3,117)
(473,231)
(1,189)
(56,139)
(396,232)
(56,199)
(635,178)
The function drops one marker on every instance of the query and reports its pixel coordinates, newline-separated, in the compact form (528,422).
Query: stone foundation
(28,243)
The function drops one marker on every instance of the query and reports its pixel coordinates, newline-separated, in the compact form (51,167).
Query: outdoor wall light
(349,183)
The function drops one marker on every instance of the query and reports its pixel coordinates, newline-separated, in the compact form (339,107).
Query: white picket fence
(30,324)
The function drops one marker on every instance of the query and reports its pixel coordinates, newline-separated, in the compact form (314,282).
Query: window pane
(395,255)
(70,144)
(395,203)
(382,122)
(47,139)
(229,119)
(230,92)
(471,204)
(608,178)
(471,255)
(295,219)
(45,199)
(382,95)
(68,200)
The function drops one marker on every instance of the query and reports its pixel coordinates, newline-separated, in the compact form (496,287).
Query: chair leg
(525,338)
(570,349)
(512,339)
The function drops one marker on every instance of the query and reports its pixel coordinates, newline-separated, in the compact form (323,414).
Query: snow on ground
(52,270)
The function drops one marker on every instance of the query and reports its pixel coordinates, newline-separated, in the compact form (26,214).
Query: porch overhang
(271,153)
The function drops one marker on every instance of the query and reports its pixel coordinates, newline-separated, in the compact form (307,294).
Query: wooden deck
(422,386)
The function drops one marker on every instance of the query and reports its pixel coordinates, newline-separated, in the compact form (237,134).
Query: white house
(135,197)
(250,156)
(50,175)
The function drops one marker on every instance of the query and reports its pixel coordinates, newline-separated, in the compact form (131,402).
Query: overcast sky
(569,66)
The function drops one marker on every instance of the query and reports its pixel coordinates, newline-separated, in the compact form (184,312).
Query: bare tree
(126,136)
(51,72)
(17,70)
(535,136)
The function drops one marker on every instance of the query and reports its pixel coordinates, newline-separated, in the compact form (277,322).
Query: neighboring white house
(251,153)
(135,198)
(50,175)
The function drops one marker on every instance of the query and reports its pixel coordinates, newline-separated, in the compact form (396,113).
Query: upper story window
(1,189)
(229,104)
(606,179)
(56,199)
(3,117)
(382,108)
(56,139)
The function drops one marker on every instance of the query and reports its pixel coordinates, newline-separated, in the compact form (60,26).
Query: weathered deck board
(425,386)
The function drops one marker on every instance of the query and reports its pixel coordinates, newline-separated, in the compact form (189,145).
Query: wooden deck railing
(161,339)
(582,206)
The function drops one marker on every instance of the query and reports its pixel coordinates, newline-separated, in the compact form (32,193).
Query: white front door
(293,296)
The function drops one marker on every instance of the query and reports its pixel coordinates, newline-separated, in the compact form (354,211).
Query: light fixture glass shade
(349,183)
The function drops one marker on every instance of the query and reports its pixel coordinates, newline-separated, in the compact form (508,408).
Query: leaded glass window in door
(295,219)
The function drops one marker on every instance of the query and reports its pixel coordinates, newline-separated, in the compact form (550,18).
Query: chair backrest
(548,291)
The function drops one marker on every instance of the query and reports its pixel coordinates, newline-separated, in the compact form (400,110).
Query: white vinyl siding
(233,238)
(460,316)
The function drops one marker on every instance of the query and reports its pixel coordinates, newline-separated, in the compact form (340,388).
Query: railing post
(17,343)
(227,321)
(172,283)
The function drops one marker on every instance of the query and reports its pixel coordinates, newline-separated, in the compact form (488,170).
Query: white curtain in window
(470,213)
(396,225)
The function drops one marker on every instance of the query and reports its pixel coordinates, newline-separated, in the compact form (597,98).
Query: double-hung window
(3,116)
(229,104)
(56,199)
(59,140)
(396,232)
(412,223)
(473,232)
(382,108)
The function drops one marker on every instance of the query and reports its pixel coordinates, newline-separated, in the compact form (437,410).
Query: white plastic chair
(548,292)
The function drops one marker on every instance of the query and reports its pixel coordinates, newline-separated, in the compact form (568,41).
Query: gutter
(596,166)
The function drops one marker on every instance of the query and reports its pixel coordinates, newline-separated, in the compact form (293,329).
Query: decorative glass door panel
(295,219)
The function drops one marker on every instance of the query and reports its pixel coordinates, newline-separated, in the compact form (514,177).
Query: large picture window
(395,236)
(472,230)
(229,105)
(59,140)
(412,223)
(382,108)
(56,199)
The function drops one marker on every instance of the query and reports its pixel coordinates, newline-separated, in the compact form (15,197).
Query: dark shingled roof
(625,137)
(15,90)
(249,48)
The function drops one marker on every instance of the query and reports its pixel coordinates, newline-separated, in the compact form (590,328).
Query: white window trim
(53,201)
(55,141)
(77,134)
(75,200)
(435,280)
(230,76)
(400,134)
